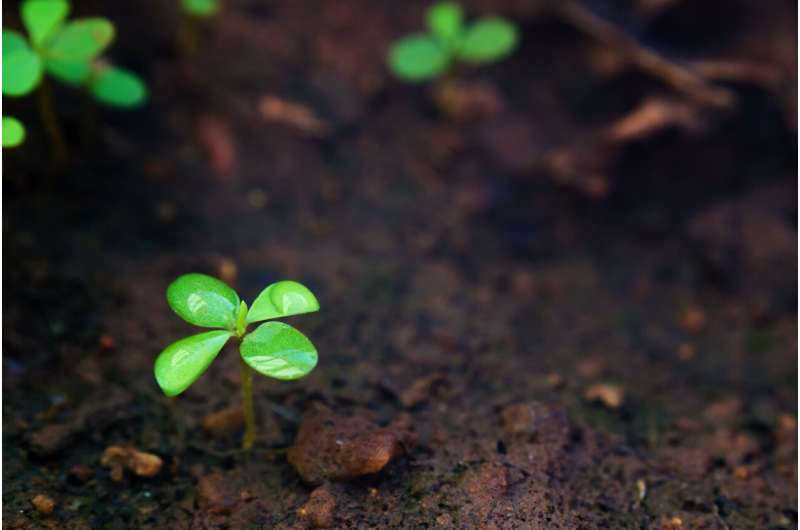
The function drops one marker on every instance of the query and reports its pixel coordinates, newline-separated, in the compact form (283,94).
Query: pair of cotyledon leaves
(425,56)
(273,349)
(66,50)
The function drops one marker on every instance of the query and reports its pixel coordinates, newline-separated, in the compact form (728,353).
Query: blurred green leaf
(203,301)
(71,73)
(418,58)
(80,40)
(22,71)
(201,8)
(13,41)
(282,299)
(278,350)
(487,40)
(445,21)
(42,17)
(117,87)
(13,132)
(182,362)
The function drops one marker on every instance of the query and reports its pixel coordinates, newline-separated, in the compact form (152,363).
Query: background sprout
(273,349)
(425,56)
(69,52)
(200,8)
(13,132)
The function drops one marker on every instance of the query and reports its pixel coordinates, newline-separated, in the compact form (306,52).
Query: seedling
(196,11)
(273,349)
(449,41)
(200,8)
(68,51)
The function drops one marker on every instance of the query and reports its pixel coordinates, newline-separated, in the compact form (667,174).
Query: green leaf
(71,73)
(13,132)
(81,40)
(13,41)
(282,299)
(445,21)
(203,301)
(119,88)
(182,362)
(487,40)
(418,58)
(201,8)
(278,350)
(43,17)
(22,71)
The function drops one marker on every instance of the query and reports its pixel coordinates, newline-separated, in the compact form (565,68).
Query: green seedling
(273,349)
(68,51)
(196,11)
(449,41)
(200,8)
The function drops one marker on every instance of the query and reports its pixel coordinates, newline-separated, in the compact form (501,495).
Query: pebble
(214,494)
(546,423)
(81,473)
(608,394)
(320,507)
(43,504)
(224,422)
(120,458)
(693,319)
(330,447)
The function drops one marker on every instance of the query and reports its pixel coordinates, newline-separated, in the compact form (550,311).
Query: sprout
(273,349)
(68,51)
(200,8)
(425,56)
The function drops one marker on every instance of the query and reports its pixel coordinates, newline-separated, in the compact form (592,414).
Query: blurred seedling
(450,42)
(69,51)
(195,13)
(273,349)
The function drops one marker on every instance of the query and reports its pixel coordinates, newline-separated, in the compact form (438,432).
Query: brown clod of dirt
(544,423)
(421,390)
(609,395)
(81,473)
(214,494)
(330,447)
(693,319)
(224,422)
(43,504)
(320,508)
(117,459)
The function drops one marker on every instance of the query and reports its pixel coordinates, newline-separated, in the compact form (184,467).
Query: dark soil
(610,345)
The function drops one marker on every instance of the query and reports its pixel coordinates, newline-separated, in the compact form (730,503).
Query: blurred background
(564,282)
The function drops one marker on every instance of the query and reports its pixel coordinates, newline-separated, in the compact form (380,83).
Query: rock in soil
(120,458)
(330,447)
(544,423)
(320,507)
(224,422)
(609,395)
(43,504)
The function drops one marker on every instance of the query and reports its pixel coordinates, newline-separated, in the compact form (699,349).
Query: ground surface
(610,345)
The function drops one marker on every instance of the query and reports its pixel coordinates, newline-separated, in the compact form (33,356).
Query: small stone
(544,423)
(609,395)
(555,380)
(693,319)
(51,439)
(671,523)
(43,504)
(117,459)
(227,270)
(319,509)
(106,342)
(421,389)
(224,422)
(330,447)
(257,199)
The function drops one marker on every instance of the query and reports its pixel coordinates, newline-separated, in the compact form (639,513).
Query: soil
(523,325)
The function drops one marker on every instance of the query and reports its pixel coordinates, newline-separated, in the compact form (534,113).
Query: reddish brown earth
(546,301)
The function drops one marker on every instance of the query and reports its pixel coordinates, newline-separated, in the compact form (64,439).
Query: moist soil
(501,345)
